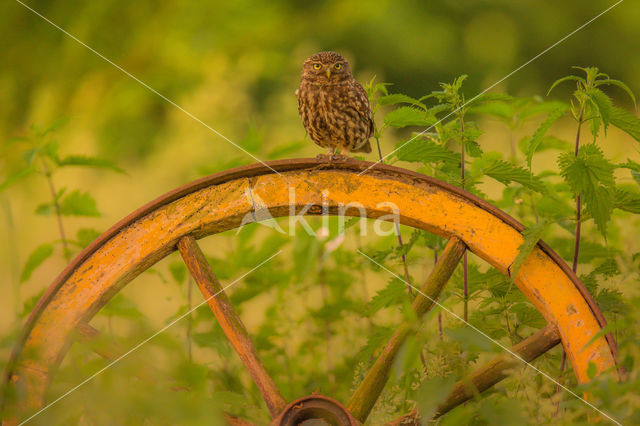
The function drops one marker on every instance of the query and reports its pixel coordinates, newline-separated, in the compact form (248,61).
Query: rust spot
(571,310)
(538,296)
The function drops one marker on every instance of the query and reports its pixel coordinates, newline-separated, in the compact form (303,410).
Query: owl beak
(328,72)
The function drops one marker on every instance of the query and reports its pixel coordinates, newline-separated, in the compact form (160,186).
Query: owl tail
(366,147)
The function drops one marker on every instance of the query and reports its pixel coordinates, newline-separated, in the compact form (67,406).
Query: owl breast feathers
(334,107)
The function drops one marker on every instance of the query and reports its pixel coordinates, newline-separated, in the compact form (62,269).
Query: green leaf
(537,137)
(611,301)
(394,293)
(609,268)
(548,143)
(541,108)
(399,98)
(599,204)
(531,237)
(86,236)
(78,204)
(528,315)
(562,80)
(39,255)
(634,167)
(630,164)
(603,104)
(409,116)
(85,161)
(591,175)
(490,165)
(426,151)
(15,177)
(373,89)
(31,303)
(627,201)
(620,84)
(45,209)
(626,122)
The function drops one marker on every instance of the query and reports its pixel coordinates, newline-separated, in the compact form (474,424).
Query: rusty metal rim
(287,165)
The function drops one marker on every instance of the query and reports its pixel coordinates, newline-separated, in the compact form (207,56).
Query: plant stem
(56,206)
(407,278)
(562,366)
(576,249)
(379,149)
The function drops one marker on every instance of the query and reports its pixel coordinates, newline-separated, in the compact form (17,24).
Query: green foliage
(408,116)
(41,157)
(538,136)
(86,236)
(531,236)
(625,121)
(490,164)
(78,203)
(426,151)
(393,294)
(591,175)
(85,161)
(37,256)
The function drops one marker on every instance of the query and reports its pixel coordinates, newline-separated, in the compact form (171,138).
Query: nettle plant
(41,158)
(318,321)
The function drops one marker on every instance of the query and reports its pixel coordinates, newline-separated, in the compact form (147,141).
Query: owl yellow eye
(317,66)
(338,66)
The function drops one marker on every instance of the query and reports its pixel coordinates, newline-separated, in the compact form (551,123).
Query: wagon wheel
(219,202)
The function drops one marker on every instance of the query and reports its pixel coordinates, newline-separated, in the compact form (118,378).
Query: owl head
(326,68)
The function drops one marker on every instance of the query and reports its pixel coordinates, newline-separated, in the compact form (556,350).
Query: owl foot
(338,158)
(332,158)
(324,157)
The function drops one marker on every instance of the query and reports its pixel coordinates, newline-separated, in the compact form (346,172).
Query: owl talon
(338,157)
(324,157)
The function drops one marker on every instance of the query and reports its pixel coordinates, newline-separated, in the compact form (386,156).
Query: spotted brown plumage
(334,107)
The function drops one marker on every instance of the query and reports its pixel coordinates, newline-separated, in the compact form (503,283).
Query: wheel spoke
(367,393)
(496,370)
(230,322)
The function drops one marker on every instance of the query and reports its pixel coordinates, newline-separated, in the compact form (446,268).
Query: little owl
(333,105)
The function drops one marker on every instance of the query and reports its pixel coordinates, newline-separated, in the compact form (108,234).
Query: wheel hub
(315,410)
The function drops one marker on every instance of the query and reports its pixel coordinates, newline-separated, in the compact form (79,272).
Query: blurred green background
(235,66)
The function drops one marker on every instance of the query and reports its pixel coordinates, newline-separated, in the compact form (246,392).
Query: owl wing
(360,102)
